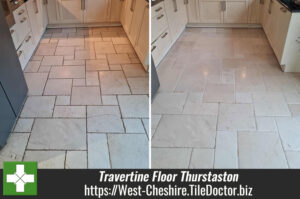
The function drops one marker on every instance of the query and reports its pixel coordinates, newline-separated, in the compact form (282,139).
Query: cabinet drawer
(14,36)
(22,26)
(155,10)
(26,50)
(159,23)
(161,46)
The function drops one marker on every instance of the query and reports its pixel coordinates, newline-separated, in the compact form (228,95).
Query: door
(266,16)
(254,11)
(127,13)
(115,10)
(192,11)
(211,11)
(236,12)
(96,11)
(52,8)
(71,11)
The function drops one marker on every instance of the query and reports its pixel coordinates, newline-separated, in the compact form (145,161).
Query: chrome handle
(158,9)
(161,16)
(164,35)
(132,5)
(175,5)
(283,9)
(22,20)
(28,38)
(153,48)
(20,53)
(21,12)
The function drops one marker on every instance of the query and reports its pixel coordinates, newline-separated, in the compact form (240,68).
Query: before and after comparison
(162,84)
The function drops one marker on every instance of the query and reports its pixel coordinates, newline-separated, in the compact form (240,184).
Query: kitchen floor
(225,103)
(87,105)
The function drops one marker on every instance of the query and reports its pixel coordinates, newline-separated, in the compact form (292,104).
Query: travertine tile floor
(87,105)
(225,103)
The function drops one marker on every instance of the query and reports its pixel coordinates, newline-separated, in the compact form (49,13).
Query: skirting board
(201,25)
(86,25)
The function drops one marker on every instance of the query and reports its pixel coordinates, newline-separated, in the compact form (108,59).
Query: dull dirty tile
(46,49)
(46,159)
(74,62)
(168,103)
(86,96)
(293,158)
(78,82)
(67,72)
(38,106)
(62,100)
(52,134)
(93,38)
(134,106)
(52,61)
(260,150)
(68,30)
(85,54)
(123,48)
(134,126)
(76,160)
(105,47)
(104,119)
(69,112)
(24,125)
(98,153)
(71,42)
(58,87)
(202,159)
(65,51)
(32,66)
(139,85)
(134,70)
(69,57)
(226,152)
(94,65)
(15,148)
(92,79)
(219,93)
(118,59)
(36,58)
(115,67)
(165,158)
(110,100)
(100,56)
(129,151)
(266,124)
(185,131)
(113,82)
(36,83)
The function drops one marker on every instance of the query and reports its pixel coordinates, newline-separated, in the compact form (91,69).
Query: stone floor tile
(92,79)
(51,134)
(36,58)
(243,97)
(113,82)
(175,158)
(44,69)
(226,152)
(115,67)
(79,82)
(24,125)
(86,96)
(185,131)
(58,87)
(67,72)
(260,150)
(94,65)
(293,158)
(266,124)
(104,119)
(110,100)
(38,106)
(202,159)
(120,40)
(155,119)
(105,47)
(219,93)
(146,125)
(98,153)
(195,106)
(47,159)
(118,59)
(292,97)
(134,70)
(74,62)
(32,66)
(76,160)
(65,51)
(134,126)
(168,103)
(69,112)
(139,85)
(85,54)
(45,49)
(52,61)
(123,48)
(289,130)
(295,109)
(129,151)
(63,100)
(71,42)
(36,83)
(134,106)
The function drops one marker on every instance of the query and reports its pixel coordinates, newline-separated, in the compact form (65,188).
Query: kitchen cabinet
(52,7)
(177,17)
(127,14)
(254,13)
(235,11)
(211,11)
(96,11)
(193,11)
(159,20)
(115,11)
(71,11)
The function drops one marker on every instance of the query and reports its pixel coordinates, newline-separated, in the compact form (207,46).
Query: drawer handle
(158,9)
(161,16)
(28,38)
(153,48)
(24,19)
(283,9)
(20,53)
(21,12)
(164,35)
(175,5)
(12,31)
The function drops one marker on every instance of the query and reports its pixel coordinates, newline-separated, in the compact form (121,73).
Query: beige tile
(115,67)
(139,85)
(243,97)
(36,58)
(124,48)
(74,62)
(94,65)
(58,87)
(76,160)
(44,69)
(86,96)
(38,106)
(168,103)
(35,82)
(110,100)
(46,49)
(93,38)
(219,93)
(202,159)
(92,79)
(292,97)
(52,61)
(32,66)
(134,70)
(118,59)
(85,54)
(46,159)
(104,47)
(64,51)
(69,112)
(71,42)
(113,82)
(195,106)
(69,57)
(24,125)
(100,56)
(134,106)
(120,40)
(78,82)
(62,100)
(67,72)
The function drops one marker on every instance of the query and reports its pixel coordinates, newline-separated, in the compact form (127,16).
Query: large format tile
(36,83)
(113,82)
(139,85)
(185,131)
(134,106)
(32,66)
(202,159)
(168,103)
(58,87)
(52,61)
(47,159)
(105,47)
(270,104)
(59,134)
(289,130)
(64,51)
(38,106)
(76,160)
(118,59)
(175,158)
(104,119)
(86,96)
(98,153)
(134,126)
(94,65)
(69,112)
(129,151)
(219,93)
(195,106)
(134,70)
(46,49)
(67,72)
(236,117)
(293,158)
(260,150)
(24,125)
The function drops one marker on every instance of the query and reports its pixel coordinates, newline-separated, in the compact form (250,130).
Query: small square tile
(24,125)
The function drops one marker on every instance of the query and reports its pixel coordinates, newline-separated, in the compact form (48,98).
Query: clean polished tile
(134,106)
(52,61)
(47,159)
(195,106)
(113,82)
(266,124)
(69,112)
(134,126)
(76,160)
(118,59)
(168,103)
(202,159)
(86,96)
(110,100)
(219,93)
(67,72)
(38,106)
(58,87)
(289,130)
(139,85)
(98,153)
(36,82)
(24,125)
(293,158)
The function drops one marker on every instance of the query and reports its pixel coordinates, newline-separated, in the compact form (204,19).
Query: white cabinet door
(211,11)
(236,12)
(52,8)
(115,10)
(96,11)
(43,13)
(71,11)
(192,8)
(35,20)
(266,16)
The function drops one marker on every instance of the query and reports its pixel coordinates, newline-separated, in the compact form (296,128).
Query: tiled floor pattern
(87,105)
(225,103)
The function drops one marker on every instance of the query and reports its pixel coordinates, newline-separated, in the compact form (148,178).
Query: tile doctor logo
(20,179)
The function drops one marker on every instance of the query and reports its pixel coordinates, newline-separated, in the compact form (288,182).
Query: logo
(20,178)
